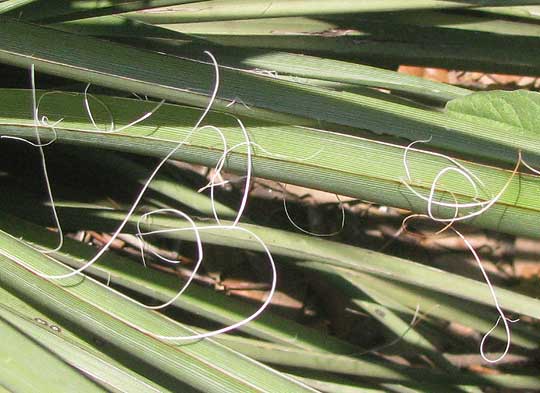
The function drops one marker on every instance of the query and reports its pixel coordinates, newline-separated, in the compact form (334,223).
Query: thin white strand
(220,164)
(19,139)
(234,326)
(485,205)
(337,232)
(145,186)
(447,204)
(234,101)
(406,152)
(89,111)
(456,205)
(452,160)
(37,123)
(529,167)
(44,167)
(200,253)
(112,126)
(248,175)
(142,118)
(217,173)
(218,184)
(310,157)
(502,316)
(140,235)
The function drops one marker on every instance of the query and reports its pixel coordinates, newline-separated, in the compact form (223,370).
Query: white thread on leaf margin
(193,227)
(40,146)
(450,221)
(330,234)
(502,316)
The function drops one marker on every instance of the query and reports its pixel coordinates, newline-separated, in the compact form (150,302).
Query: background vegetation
(363,303)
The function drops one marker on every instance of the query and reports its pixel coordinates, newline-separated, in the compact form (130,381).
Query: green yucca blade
(11,5)
(305,66)
(181,80)
(59,10)
(79,354)
(405,299)
(333,383)
(201,301)
(522,12)
(338,385)
(29,367)
(249,9)
(456,24)
(308,248)
(204,365)
(279,354)
(284,354)
(271,62)
(268,326)
(404,332)
(385,40)
(332,162)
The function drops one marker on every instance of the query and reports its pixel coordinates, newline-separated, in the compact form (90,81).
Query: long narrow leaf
(11,5)
(203,365)
(104,370)
(320,250)
(28,367)
(182,80)
(59,10)
(271,62)
(338,163)
(249,9)
(406,299)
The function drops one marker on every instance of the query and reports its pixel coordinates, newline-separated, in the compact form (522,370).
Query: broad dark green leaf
(517,111)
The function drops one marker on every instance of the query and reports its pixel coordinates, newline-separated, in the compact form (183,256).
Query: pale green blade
(59,10)
(459,42)
(274,63)
(27,367)
(525,12)
(204,365)
(332,162)
(319,250)
(283,354)
(107,372)
(13,5)
(404,299)
(181,80)
(250,9)
(369,369)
